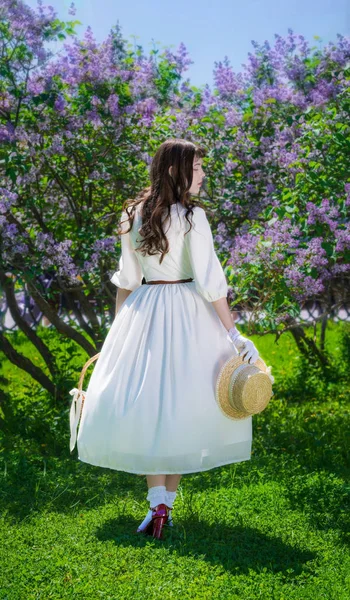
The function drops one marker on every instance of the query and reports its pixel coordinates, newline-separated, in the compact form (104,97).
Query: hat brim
(222,386)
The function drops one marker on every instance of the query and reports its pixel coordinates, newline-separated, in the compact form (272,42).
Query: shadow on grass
(65,485)
(306,450)
(238,549)
(325,502)
(301,445)
(289,447)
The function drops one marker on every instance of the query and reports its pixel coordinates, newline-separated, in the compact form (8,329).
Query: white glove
(245,347)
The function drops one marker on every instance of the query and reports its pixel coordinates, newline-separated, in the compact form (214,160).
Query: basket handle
(84,369)
(77,404)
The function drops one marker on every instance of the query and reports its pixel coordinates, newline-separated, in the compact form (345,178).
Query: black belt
(160,281)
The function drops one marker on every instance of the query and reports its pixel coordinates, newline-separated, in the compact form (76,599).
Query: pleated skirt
(150,405)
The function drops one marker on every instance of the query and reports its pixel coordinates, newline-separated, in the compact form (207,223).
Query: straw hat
(243,389)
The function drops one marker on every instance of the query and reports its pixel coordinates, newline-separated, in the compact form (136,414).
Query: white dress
(150,405)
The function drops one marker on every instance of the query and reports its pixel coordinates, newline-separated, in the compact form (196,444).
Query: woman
(150,405)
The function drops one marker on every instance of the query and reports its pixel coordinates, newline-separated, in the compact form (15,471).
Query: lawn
(274,527)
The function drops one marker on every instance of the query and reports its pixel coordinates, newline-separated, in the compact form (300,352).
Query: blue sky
(210,30)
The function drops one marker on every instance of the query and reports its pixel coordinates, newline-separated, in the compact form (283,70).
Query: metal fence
(33,316)
(309,313)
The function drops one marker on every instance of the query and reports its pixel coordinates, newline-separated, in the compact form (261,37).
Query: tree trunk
(8,286)
(308,347)
(24,363)
(323,332)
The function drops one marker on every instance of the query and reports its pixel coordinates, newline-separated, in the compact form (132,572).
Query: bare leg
(153,480)
(171,482)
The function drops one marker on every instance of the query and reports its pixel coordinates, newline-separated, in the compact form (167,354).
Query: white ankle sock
(156,495)
(146,520)
(170,497)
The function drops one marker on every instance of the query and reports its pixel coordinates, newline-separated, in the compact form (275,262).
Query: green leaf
(328,247)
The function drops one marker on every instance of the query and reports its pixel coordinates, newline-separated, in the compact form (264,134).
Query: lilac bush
(78,131)
(279,177)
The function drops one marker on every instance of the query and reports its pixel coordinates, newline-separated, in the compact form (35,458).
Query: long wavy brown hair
(165,189)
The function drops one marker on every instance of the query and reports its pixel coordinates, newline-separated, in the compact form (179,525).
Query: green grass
(274,527)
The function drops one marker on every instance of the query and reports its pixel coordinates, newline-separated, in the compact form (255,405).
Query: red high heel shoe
(159,518)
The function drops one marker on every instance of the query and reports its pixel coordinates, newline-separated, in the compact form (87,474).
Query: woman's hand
(246,349)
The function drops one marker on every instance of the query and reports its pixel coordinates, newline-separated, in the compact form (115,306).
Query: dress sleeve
(209,277)
(129,276)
